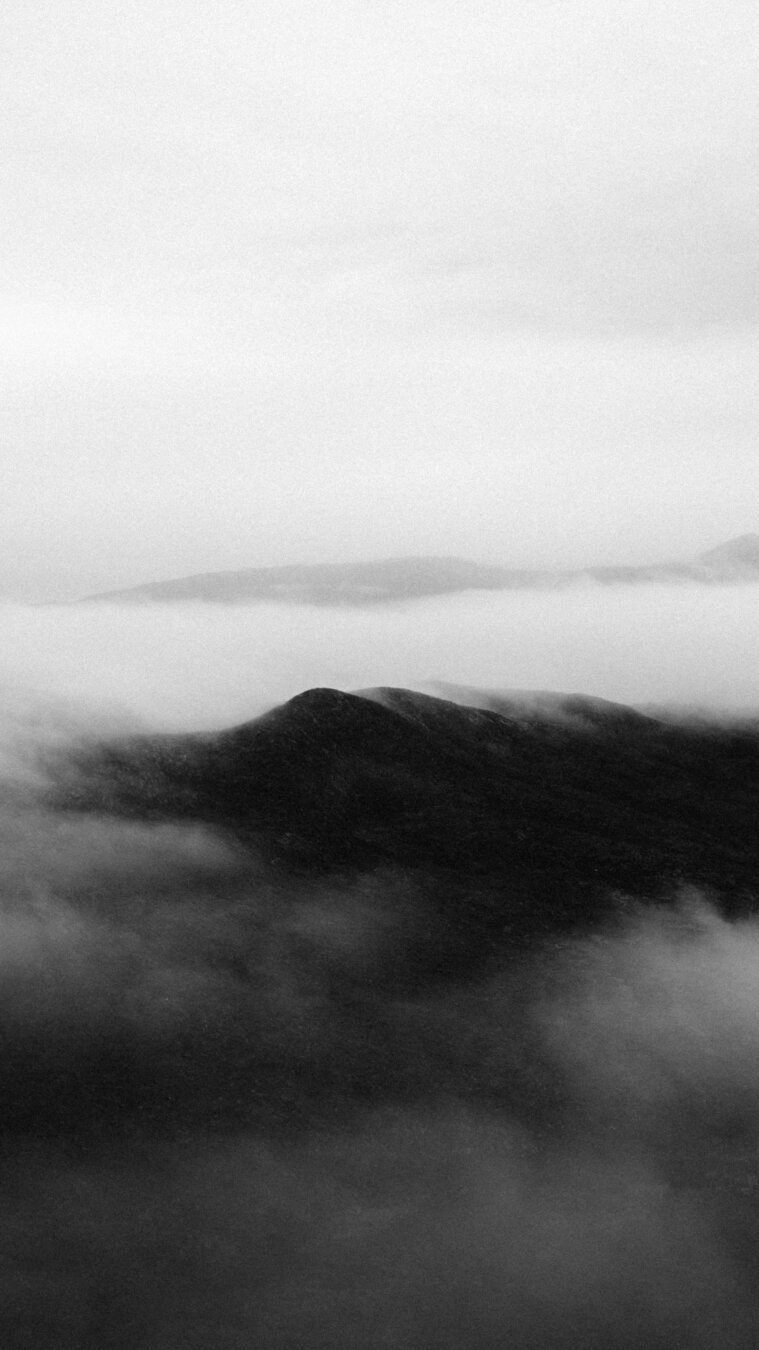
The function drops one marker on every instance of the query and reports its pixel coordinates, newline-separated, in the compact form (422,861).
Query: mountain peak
(744,549)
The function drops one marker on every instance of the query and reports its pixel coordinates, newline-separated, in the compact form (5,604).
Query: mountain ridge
(517,822)
(386,580)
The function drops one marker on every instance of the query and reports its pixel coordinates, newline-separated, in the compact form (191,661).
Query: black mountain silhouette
(515,822)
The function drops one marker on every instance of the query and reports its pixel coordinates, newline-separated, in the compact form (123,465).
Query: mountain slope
(513,823)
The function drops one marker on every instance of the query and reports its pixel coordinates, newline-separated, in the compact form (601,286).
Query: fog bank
(191,665)
(220,1130)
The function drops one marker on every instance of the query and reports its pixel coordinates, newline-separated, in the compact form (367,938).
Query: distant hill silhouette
(738,557)
(515,820)
(370,583)
(327,583)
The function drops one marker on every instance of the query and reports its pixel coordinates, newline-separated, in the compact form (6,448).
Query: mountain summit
(517,819)
(737,556)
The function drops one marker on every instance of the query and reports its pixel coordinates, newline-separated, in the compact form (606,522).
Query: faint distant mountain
(359,583)
(369,583)
(736,560)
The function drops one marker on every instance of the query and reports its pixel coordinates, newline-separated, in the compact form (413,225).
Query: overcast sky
(295,281)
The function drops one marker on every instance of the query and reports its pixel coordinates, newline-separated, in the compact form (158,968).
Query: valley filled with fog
(379,676)
(188,665)
(292,1057)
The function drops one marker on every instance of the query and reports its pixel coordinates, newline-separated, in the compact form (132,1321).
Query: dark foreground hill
(394,579)
(522,818)
(344,1028)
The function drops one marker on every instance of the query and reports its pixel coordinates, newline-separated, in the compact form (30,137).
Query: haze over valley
(379,676)
(369,1017)
(197,664)
(377,1017)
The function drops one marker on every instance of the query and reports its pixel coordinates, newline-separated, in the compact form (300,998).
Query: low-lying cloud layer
(220,1129)
(189,665)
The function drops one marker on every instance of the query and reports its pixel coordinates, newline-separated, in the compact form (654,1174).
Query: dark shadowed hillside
(528,818)
(369,1023)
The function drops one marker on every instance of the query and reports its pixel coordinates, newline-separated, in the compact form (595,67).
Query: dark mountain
(368,583)
(517,819)
(361,1024)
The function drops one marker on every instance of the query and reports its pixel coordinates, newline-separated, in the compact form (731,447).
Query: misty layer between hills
(383,1021)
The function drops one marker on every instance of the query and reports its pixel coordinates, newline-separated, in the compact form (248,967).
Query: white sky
(295,281)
